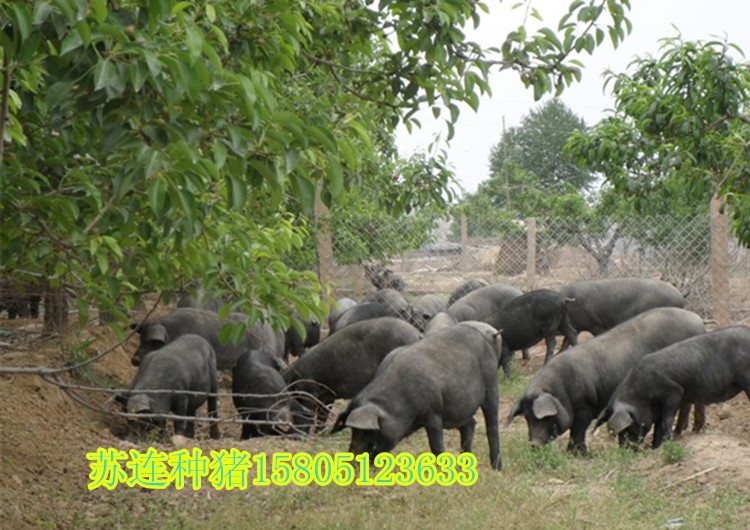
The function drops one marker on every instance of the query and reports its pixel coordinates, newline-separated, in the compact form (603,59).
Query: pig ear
(620,420)
(284,415)
(366,417)
(157,333)
(139,404)
(514,411)
(547,405)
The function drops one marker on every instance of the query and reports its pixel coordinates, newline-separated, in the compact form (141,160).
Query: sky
(653,20)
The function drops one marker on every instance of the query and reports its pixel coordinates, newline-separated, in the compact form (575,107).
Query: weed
(672,452)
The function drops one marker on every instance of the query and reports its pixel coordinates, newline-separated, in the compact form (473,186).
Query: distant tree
(536,146)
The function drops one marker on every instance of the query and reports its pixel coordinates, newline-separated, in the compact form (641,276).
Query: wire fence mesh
(696,254)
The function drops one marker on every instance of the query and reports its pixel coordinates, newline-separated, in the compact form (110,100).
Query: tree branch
(4,103)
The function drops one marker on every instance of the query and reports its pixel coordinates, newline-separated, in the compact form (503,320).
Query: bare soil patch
(45,436)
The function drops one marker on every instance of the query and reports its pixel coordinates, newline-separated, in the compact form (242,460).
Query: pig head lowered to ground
(436,383)
(265,402)
(701,370)
(187,363)
(572,389)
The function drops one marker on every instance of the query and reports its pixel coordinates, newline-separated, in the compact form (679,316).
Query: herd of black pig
(433,363)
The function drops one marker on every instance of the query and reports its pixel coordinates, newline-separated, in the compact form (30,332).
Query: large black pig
(258,395)
(425,307)
(437,383)
(572,389)
(186,364)
(701,370)
(158,332)
(600,305)
(362,312)
(465,288)
(483,303)
(529,318)
(343,364)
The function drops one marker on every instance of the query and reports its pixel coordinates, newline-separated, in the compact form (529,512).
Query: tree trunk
(55,311)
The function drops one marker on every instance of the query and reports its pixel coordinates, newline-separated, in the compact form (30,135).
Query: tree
(531,177)
(679,130)
(149,144)
(536,146)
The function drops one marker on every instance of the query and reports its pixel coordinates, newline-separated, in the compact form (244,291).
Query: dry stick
(694,475)
(55,379)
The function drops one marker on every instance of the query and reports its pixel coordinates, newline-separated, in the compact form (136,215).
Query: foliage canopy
(147,144)
(679,130)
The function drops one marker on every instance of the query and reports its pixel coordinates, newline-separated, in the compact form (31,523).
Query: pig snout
(537,442)
(541,433)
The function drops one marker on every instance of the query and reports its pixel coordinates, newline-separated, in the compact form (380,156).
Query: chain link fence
(696,254)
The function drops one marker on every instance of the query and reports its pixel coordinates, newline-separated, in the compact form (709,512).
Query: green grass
(545,488)
(538,489)
(672,452)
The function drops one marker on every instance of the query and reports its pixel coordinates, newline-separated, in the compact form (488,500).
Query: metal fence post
(464,231)
(530,253)
(720,263)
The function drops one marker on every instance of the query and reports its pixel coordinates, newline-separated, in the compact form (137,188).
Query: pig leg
(663,427)
(212,404)
(491,421)
(577,443)
(551,343)
(467,435)
(434,429)
(247,429)
(505,360)
(699,417)
(190,429)
(525,354)
(683,418)
(180,408)
(569,332)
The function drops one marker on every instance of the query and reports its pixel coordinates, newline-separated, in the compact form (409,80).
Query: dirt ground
(45,435)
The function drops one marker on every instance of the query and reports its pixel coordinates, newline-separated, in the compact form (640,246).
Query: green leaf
(71,41)
(179,7)
(42,11)
(100,10)
(103,262)
(194,41)
(157,195)
(236,192)
(23,19)
(58,93)
(305,192)
(335,176)
(104,74)
(154,65)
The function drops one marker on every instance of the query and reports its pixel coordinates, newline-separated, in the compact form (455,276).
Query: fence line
(696,254)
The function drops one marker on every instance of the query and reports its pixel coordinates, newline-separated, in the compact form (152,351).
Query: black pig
(436,383)
(701,370)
